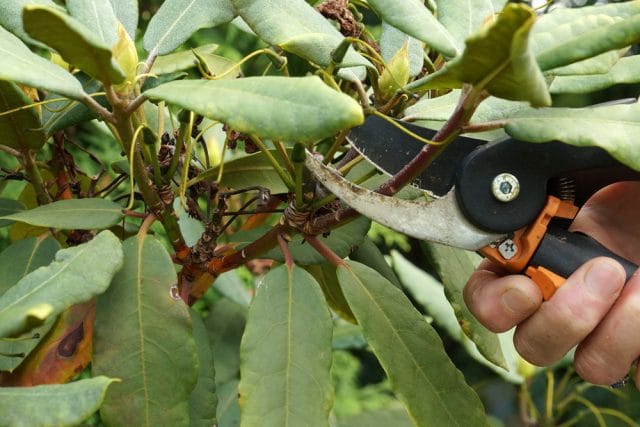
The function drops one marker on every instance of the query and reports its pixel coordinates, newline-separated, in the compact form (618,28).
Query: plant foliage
(143,172)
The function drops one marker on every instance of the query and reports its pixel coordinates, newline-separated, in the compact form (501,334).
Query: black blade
(389,149)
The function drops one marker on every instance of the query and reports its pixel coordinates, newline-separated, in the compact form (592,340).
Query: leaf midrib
(388,321)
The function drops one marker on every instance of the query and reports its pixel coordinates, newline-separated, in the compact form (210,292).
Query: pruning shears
(512,201)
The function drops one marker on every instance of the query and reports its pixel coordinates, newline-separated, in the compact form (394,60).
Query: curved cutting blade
(438,221)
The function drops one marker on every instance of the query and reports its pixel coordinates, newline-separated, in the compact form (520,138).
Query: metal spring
(567,189)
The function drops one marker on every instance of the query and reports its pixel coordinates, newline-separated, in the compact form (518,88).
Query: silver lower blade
(438,221)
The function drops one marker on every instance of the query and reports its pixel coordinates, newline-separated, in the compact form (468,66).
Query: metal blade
(389,149)
(438,221)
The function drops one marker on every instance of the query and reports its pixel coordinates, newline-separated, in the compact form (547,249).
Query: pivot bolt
(505,187)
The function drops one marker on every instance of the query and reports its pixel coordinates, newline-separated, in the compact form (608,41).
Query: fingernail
(604,277)
(517,301)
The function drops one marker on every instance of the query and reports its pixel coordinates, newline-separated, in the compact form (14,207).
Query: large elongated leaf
(325,275)
(454,266)
(63,352)
(73,214)
(286,353)
(176,20)
(17,261)
(497,59)
(127,13)
(392,40)
(279,108)
(296,27)
(599,39)
(11,17)
(247,171)
(422,375)
(8,207)
(427,291)
(52,405)
(203,399)
(228,412)
(155,353)
(76,275)
(23,257)
(613,128)
(225,325)
(624,71)
(21,65)
(180,61)
(20,129)
(97,15)
(432,113)
(465,17)
(76,43)
(413,18)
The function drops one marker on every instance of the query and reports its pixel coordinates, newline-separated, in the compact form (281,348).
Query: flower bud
(126,56)
(396,74)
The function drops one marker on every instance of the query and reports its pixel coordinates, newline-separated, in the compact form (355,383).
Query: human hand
(593,309)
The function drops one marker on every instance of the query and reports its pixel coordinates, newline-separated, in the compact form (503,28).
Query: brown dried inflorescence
(338,10)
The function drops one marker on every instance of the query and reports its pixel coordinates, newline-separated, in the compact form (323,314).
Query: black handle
(562,252)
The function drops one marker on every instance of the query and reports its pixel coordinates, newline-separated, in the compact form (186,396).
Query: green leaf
(342,241)
(392,40)
(77,44)
(575,25)
(599,39)
(285,378)
(64,113)
(497,59)
(73,214)
(297,27)
(225,325)
(247,171)
(17,261)
(454,266)
(231,286)
(9,207)
(155,353)
(396,73)
(427,291)
(228,409)
(203,399)
(177,20)
(396,417)
(607,127)
(462,18)
(413,18)
(23,257)
(325,275)
(77,274)
(98,15)
(52,405)
(11,17)
(21,129)
(368,254)
(21,65)
(280,108)
(180,61)
(625,71)
(433,113)
(422,375)
(127,13)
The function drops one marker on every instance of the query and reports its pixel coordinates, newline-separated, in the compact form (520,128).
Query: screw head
(505,187)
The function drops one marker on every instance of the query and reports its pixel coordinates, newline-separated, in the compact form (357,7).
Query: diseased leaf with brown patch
(63,354)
